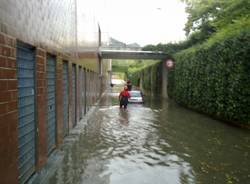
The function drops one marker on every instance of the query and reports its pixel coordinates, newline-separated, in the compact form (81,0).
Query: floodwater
(158,142)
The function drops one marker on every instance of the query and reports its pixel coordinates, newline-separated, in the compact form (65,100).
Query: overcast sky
(141,21)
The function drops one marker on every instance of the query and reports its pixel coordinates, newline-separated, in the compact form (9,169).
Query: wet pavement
(158,142)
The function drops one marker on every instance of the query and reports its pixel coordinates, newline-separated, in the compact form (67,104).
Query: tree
(208,16)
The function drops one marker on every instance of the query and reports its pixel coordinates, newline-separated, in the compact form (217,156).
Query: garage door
(74,95)
(65,98)
(80,91)
(84,90)
(87,90)
(51,102)
(26,110)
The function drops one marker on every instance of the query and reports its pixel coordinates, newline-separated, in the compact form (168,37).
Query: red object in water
(124,93)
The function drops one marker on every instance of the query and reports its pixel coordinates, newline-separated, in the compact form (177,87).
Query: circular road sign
(169,63)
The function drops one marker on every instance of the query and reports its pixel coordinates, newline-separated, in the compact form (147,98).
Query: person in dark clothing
(129,85)
(123,97)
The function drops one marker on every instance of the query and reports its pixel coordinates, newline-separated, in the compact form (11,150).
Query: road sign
(169,63)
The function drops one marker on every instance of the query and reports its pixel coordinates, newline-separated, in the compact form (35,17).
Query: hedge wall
(134,78)
(152,78)
(215,79)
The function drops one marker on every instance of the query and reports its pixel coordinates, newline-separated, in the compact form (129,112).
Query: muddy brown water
(158,142)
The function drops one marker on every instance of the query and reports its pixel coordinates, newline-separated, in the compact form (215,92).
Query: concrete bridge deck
(131,54)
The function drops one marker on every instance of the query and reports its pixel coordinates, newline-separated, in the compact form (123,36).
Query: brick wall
(8,111)
(9,106)
(41,100)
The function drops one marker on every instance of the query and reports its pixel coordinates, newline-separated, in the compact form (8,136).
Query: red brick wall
(41,100)
(9,107)
(8,111)
(59,102)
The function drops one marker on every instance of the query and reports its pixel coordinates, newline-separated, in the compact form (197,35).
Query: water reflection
(123,117)
(158,142)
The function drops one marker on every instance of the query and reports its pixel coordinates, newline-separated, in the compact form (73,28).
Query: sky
(141,21)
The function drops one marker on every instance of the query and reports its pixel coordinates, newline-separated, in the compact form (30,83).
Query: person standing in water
(123,97)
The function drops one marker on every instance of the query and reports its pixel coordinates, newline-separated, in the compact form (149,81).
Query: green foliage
(231,11)
(201,14)
(131,66)
(141,65)
(171,83)
(119,75)
(212,69)
(121,69)
(215,77)
(197,37)
(209,16)
(230,30)
(134,78)
(151,76)
(170,48)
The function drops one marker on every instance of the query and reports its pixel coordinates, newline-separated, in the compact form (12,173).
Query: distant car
(136,97)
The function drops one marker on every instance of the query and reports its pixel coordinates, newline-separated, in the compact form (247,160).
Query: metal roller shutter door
(74,94)
(51,102)
(26,110)
(89,90)
(65,98)
(84,91)
(80,91)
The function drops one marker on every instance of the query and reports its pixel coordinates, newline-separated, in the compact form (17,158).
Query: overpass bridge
(106,53)
(112,53)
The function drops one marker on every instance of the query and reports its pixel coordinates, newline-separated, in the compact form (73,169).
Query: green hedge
(147,79)
(215,79)
(152,78)
(134,78)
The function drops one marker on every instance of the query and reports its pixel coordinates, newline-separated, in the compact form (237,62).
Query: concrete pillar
(110,71)
(110,76)
(152,82)
(100,74)
(164,80)
(141,82)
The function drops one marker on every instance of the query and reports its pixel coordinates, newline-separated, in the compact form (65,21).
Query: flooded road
(155,143)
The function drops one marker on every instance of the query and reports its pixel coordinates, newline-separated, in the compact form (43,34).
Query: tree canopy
(205,18)
(210,15)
